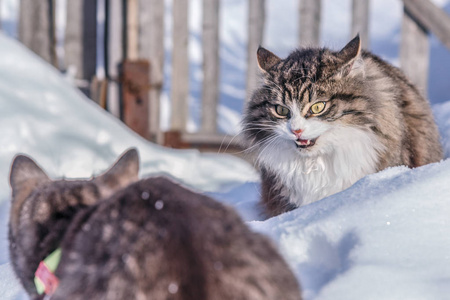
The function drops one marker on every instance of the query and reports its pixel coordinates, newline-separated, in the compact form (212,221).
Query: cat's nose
(297,132)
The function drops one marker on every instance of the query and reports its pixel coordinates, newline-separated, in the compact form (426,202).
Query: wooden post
(415,51)
(135,95)
(180,65)
(210,46)
(360,21)
(256,21)
(36,28)
(151,47)
(310,15)
(114,52)
(81,40)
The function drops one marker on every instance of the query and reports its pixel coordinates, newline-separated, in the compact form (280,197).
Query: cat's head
(30,183)
(42,208)
(308,100)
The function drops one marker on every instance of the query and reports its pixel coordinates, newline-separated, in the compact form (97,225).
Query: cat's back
(160,239)
(418,136)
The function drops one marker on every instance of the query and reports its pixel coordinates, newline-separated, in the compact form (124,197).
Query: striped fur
(373,118)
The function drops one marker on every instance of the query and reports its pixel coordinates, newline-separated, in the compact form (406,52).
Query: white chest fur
(340,157)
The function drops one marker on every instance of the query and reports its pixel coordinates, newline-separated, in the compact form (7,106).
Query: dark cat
(151,240)
(42,209)
(322,120)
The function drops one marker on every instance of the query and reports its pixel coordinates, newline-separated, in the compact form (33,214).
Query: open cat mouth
(305,143)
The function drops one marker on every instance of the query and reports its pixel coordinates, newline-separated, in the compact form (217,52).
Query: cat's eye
(282,110)
(317,108)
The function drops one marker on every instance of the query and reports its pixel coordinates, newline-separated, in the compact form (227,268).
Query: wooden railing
(420,18)
(135,30)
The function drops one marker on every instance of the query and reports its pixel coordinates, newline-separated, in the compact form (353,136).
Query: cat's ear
(350,57)
(25,175)
(123,172)
(266,59)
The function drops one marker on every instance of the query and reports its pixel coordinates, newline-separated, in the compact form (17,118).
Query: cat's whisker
(260,127)
(257,144)
(269,144)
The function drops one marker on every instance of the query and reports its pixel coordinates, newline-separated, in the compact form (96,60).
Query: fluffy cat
(153,239)
(322,120)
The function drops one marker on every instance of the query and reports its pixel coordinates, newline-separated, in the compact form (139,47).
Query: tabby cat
(153,239)
(321,120)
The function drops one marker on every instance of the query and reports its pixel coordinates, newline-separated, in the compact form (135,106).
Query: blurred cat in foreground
(114,237)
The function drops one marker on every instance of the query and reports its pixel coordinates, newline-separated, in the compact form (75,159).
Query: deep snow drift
(386,237)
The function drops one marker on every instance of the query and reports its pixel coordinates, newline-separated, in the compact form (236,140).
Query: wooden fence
(134,31)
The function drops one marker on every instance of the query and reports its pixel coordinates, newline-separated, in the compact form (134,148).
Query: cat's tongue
(305,143)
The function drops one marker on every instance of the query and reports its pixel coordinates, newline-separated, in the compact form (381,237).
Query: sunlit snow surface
(387,237)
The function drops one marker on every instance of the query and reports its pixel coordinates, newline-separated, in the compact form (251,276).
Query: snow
(386,237)
(43,116)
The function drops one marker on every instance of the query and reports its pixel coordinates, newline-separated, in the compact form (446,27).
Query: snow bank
(43,116)
(384,238)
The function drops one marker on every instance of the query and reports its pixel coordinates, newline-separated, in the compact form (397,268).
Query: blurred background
(178,72)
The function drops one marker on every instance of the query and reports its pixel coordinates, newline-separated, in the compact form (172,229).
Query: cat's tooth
(308,142)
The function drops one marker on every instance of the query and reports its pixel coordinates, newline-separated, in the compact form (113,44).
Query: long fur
(373,118)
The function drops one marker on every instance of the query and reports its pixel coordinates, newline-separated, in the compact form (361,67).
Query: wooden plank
(81,40)
(414,51)
(213,138)
(431,17)
(207,142)
(36,29)
(256,21)
(114,52)
(360,21)
(310,17)
(135,95)
(210,46)
(180,65)
(132,52)
(151,47)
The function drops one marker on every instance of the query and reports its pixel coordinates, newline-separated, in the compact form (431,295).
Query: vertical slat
(52,32)
(210,45)
(132,29)
(256,21)
(360,21)
(310,16)
(135,96)
(36,30)
(81,40)
(151,47)
(415,51)
(114,52)
(180,65)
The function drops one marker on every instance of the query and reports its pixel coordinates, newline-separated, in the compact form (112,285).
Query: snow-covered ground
(386,237)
